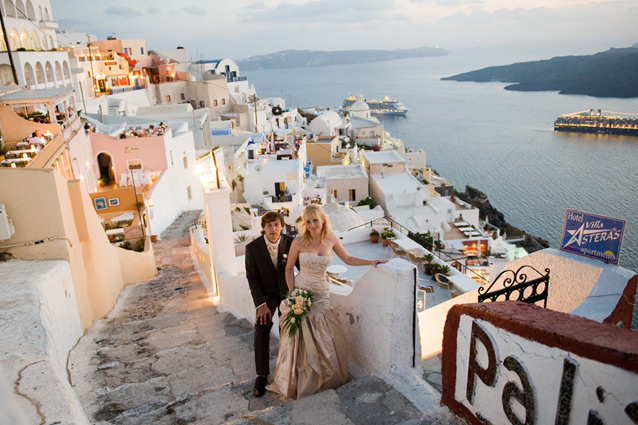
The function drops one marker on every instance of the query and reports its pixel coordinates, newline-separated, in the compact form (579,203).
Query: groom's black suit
(267,285)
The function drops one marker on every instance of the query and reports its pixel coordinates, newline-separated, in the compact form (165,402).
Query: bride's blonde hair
(310,213)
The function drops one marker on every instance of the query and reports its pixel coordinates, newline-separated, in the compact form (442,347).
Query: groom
(265,269)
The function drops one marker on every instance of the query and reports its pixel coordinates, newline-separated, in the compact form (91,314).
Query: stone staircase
(165,355)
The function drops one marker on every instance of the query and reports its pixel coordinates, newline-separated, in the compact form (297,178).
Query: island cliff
(305,58)
(605,74)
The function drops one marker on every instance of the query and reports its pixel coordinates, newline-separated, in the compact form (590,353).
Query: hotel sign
(593,236)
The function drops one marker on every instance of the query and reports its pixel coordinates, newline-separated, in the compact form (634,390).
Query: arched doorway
(105,163)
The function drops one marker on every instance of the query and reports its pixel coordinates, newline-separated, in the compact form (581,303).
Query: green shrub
(368,201)
(426,240)
(126,245)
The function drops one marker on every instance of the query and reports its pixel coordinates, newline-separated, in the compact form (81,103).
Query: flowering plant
(299,301)
(284,259)
(374,232)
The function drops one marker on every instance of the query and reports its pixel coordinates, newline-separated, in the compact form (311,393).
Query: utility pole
(142,222)
(255,106)
(6,41)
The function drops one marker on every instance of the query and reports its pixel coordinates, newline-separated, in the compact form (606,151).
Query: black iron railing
(517,286)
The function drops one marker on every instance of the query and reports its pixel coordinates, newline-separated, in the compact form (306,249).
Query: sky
(239,29)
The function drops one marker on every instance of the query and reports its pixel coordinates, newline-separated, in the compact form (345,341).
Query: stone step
(369,400)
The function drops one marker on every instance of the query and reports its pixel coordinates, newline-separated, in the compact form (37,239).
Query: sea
(499,141)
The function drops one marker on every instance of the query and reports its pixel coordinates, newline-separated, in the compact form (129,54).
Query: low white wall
(137,266)
(165,209)
(40,322)
(432,322)
(377,315)
(510,362)
(201,259)
(577,285)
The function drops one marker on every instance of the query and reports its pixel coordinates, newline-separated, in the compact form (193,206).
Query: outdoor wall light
(150,202)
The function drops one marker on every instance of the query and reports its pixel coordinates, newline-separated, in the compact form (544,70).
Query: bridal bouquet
(299,301)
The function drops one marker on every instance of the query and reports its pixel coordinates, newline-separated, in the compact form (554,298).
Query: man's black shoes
(260,386)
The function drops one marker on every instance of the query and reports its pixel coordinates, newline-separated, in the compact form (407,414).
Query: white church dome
(360,108)
(342,218)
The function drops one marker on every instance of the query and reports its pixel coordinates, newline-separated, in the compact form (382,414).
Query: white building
(330,123)
(31,33)
(163,162)
(344,183)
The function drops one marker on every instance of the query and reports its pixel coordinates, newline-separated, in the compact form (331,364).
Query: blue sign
(592,235)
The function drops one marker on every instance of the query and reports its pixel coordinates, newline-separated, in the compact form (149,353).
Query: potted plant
(386,235)
(427,267)
(374,236)
(444,269)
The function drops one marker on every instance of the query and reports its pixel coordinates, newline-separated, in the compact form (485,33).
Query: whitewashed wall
(40,320)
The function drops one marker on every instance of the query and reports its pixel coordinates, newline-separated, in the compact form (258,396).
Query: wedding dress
(316,357)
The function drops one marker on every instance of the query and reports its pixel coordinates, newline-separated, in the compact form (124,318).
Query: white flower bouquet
(299,301)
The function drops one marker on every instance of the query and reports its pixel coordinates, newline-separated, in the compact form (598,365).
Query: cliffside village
(105,143)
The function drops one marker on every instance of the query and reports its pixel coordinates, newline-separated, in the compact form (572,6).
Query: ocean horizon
(479,134)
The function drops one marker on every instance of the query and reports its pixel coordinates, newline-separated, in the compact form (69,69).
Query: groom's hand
(263,315)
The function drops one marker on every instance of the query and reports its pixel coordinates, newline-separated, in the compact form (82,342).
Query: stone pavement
(165,355)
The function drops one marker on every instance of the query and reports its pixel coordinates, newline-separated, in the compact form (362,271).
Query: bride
(316,357)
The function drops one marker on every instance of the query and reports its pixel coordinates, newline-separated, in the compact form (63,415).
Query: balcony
(48,24)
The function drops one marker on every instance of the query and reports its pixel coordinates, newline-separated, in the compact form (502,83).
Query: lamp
(150,202)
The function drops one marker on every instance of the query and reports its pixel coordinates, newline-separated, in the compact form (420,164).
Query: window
(141,50)
(185,163)
(353,195)
(223,101)
(134,164)
(201,104)
(168,98)
(182,96)
(215,102)
(189,195)
(334,194)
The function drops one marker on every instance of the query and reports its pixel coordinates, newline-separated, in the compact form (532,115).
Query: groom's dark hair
(271,216)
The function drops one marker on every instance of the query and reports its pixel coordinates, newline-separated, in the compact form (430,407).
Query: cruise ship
(386,106)
(599,122)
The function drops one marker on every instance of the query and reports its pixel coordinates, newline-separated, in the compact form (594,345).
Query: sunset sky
(242,28)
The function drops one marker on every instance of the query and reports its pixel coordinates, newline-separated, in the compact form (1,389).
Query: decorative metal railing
(517,286)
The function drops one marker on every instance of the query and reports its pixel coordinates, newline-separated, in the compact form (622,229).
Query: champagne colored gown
(316,357)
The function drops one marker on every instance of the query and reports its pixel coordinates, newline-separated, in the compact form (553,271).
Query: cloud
(476,17)
(153,10)
(122,11)
(320,12)
(451,2)
(195,10)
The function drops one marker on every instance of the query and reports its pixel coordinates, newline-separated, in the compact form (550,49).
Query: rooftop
(397,183)
(270,165)
(37,94)
(341,171)
(382,156)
